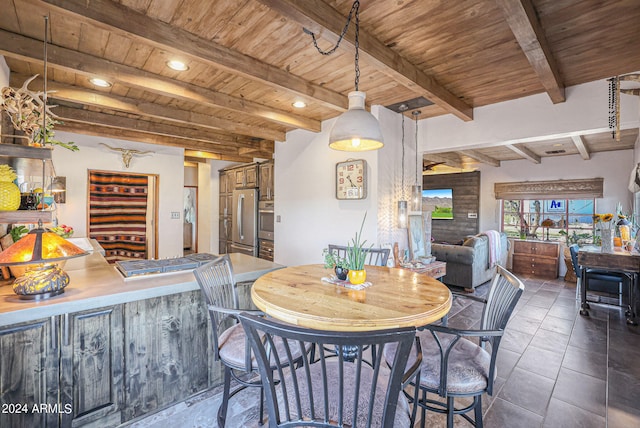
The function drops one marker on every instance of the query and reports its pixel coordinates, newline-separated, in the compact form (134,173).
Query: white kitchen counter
(94,284)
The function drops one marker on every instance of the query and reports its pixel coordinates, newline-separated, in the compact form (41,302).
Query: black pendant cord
(416,141)
(403,198)
(355,10)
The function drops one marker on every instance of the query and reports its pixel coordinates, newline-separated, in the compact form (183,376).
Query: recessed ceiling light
(299,104)
(100,82)
(177,65)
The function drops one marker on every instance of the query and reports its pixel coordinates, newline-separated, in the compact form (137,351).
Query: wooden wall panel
(466,199)
(166,351)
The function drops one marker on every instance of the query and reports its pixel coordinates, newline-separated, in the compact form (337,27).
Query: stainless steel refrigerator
(245,222)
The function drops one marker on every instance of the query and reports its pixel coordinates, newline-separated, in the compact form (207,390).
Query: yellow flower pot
(357,276)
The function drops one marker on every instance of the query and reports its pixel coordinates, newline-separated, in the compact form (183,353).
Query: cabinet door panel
(92,366)
(29,375)
(250,176)
(239,177)
(166,351)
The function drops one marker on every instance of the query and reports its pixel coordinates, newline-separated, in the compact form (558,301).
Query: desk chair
(375,256)
(454,366)
(594,274)
(331,391)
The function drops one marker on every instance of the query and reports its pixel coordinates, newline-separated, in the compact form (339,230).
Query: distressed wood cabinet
(166,351)
(29,373)
(63,371)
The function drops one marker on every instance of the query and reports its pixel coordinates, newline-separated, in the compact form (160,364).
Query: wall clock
(351,179)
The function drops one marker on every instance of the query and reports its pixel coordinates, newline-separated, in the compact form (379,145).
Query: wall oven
(265,220)
(265,249)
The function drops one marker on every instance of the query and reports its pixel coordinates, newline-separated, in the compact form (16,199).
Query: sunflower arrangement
(604,220)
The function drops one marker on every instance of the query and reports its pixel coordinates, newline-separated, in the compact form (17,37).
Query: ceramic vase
(357,276)
(607,240)
(341,273)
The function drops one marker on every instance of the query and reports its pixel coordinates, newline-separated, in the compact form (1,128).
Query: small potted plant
(333,261)
(356,255)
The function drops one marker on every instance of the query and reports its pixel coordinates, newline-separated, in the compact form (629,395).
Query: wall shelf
(26,216)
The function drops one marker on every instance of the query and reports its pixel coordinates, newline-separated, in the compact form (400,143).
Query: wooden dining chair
(333,390)
(375,256)
(454,365)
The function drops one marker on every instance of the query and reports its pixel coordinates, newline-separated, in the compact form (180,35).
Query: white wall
(311,216)
(166,162)
(614,167)
(4,73)
(532,118)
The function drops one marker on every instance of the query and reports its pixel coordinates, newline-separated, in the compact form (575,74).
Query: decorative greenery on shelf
(356,251)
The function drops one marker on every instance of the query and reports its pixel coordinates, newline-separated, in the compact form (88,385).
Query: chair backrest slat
(340,388)
(375,256)
(217,285)
(503,296)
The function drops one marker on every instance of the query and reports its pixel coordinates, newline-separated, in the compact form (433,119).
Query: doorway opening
(122,214)
(190,225)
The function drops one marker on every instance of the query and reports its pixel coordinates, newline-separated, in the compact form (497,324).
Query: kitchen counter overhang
(95,283)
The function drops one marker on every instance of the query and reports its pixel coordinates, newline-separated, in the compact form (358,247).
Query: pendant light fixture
(355,130)
(402,204)
(416,189)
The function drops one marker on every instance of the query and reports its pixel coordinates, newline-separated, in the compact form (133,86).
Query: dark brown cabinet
(536,258)
(246,176)
(266,187)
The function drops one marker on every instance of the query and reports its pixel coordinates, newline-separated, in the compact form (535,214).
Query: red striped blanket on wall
(118,214)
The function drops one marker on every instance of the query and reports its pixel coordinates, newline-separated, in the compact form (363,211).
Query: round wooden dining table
(395,298)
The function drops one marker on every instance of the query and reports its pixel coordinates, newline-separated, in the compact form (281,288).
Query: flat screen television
(439,202)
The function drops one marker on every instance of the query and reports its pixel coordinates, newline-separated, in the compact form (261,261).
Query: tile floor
(555,369)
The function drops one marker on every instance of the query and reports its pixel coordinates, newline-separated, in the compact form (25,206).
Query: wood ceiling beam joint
(526,153)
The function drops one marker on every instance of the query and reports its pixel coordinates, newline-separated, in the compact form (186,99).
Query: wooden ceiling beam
(474,154)
(447,158)
(578,141)
(24,48)
(523,151)
(133,24)
(125,134)
(521,17)
(326,22)
(133,106)
(69,114)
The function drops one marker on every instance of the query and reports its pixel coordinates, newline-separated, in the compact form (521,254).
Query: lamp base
(41,282)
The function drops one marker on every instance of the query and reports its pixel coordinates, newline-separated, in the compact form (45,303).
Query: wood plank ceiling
(249,60)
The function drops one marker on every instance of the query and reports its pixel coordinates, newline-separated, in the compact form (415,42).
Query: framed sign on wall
(351,179)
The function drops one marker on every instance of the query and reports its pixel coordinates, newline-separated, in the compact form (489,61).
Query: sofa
(468,264)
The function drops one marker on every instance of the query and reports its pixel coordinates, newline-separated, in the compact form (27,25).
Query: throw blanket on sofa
(495,246)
